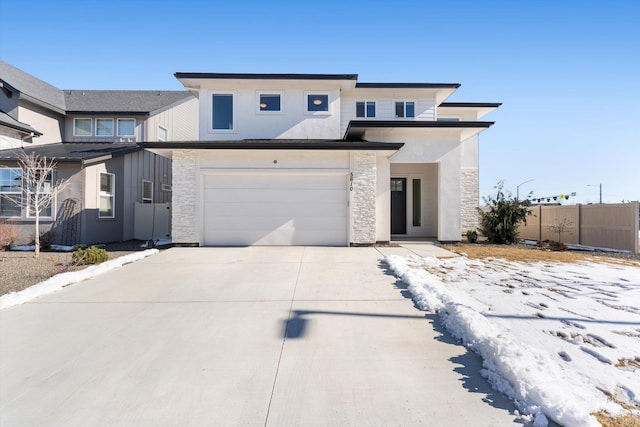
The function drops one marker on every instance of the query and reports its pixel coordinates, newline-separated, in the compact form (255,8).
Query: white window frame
(105,120)
(128,120)
(29,193)
(166,133)
(307,94)
(366,116)
(17,193)
(404,108)
(102,194)
(269,92)
(82,118)
(234,110)
(147,199)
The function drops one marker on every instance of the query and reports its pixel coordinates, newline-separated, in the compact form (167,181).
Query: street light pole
(599,185)
(518,189)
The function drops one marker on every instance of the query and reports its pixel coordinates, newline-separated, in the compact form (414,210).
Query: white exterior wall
(186,185)
(180,120)
(383,199)
(427,173)
(292,122)
(425,105)
(9,138)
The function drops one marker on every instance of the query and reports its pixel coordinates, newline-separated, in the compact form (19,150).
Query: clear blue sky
(567,72)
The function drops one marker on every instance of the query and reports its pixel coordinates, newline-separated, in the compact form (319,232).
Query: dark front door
(398,206)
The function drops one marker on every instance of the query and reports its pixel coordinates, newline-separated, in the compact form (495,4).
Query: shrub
(554,245)
(90,255)
(472,236)
(47,238)
(8,235)
(499,224)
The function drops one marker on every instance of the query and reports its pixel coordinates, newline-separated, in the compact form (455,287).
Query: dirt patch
(19,270)
(526,253)
(624,421)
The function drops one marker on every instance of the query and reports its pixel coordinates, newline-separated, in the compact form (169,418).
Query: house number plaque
(350,181)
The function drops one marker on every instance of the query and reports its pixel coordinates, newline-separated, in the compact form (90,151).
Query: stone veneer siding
(469,200)
(184,212)
(363,197)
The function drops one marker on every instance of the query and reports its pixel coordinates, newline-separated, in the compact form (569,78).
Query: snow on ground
(562,340)
(64,279)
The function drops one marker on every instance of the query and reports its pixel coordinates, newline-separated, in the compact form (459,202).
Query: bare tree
(39,191)
(561,227)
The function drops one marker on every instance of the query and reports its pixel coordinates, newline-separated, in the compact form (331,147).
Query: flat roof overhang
(357,128)
(165,149)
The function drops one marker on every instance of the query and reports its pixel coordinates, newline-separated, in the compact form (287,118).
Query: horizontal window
(126,127)
(82,127)
(269,102)
(405,109)
(104,127)
(317,102)
(365,109)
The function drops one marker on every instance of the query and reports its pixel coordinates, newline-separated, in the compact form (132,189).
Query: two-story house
(93,136)
(322,159)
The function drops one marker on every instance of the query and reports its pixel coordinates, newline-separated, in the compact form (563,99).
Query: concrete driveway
(257,336)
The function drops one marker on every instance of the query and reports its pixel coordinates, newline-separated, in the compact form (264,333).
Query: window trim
(111,195)
(404,108)
(133,135)
(166,132)
(112,126)
(366,111)
(280,93)
(19,192)
(82,118)
(234,112)
(147,199)
(307,94)
(29,193)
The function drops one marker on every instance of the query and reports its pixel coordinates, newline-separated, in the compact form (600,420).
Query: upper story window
(82,127)
(126,127)
(405,109)
(222,111)
(104,127)
(270,102)
(365,109)
(162,134)
(10,192)
(317,102)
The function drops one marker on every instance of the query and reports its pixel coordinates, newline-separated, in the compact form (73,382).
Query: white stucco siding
(291,122)
(383,199)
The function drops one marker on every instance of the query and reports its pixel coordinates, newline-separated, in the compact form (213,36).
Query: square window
(126,127)
(317,102)
(104,127)
(269,102)
(405,109)
(81,127)
(222,111)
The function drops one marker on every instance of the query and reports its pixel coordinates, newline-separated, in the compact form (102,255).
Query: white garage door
(275,209)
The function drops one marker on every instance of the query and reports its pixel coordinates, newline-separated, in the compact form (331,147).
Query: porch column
(183,198)
(362,181)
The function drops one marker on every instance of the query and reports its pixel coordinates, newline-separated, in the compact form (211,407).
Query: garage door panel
(294,210)
(263,181)
(278,209)
(269,195)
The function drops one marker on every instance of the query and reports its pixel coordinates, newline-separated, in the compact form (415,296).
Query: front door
(398,206)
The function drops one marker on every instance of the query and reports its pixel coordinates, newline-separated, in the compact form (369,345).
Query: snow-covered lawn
(561,339)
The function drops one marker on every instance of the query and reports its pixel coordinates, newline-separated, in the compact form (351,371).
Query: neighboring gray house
(93,136)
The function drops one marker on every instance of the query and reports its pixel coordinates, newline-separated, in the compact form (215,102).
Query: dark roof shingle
(120,101)
(32,86)
(80,152)
(8,121)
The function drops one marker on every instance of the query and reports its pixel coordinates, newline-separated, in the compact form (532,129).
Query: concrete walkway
(257,336)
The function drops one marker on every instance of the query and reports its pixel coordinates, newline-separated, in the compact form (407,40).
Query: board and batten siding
(139,166)
(180,120)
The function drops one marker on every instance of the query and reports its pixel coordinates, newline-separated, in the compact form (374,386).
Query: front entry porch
(414,200)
